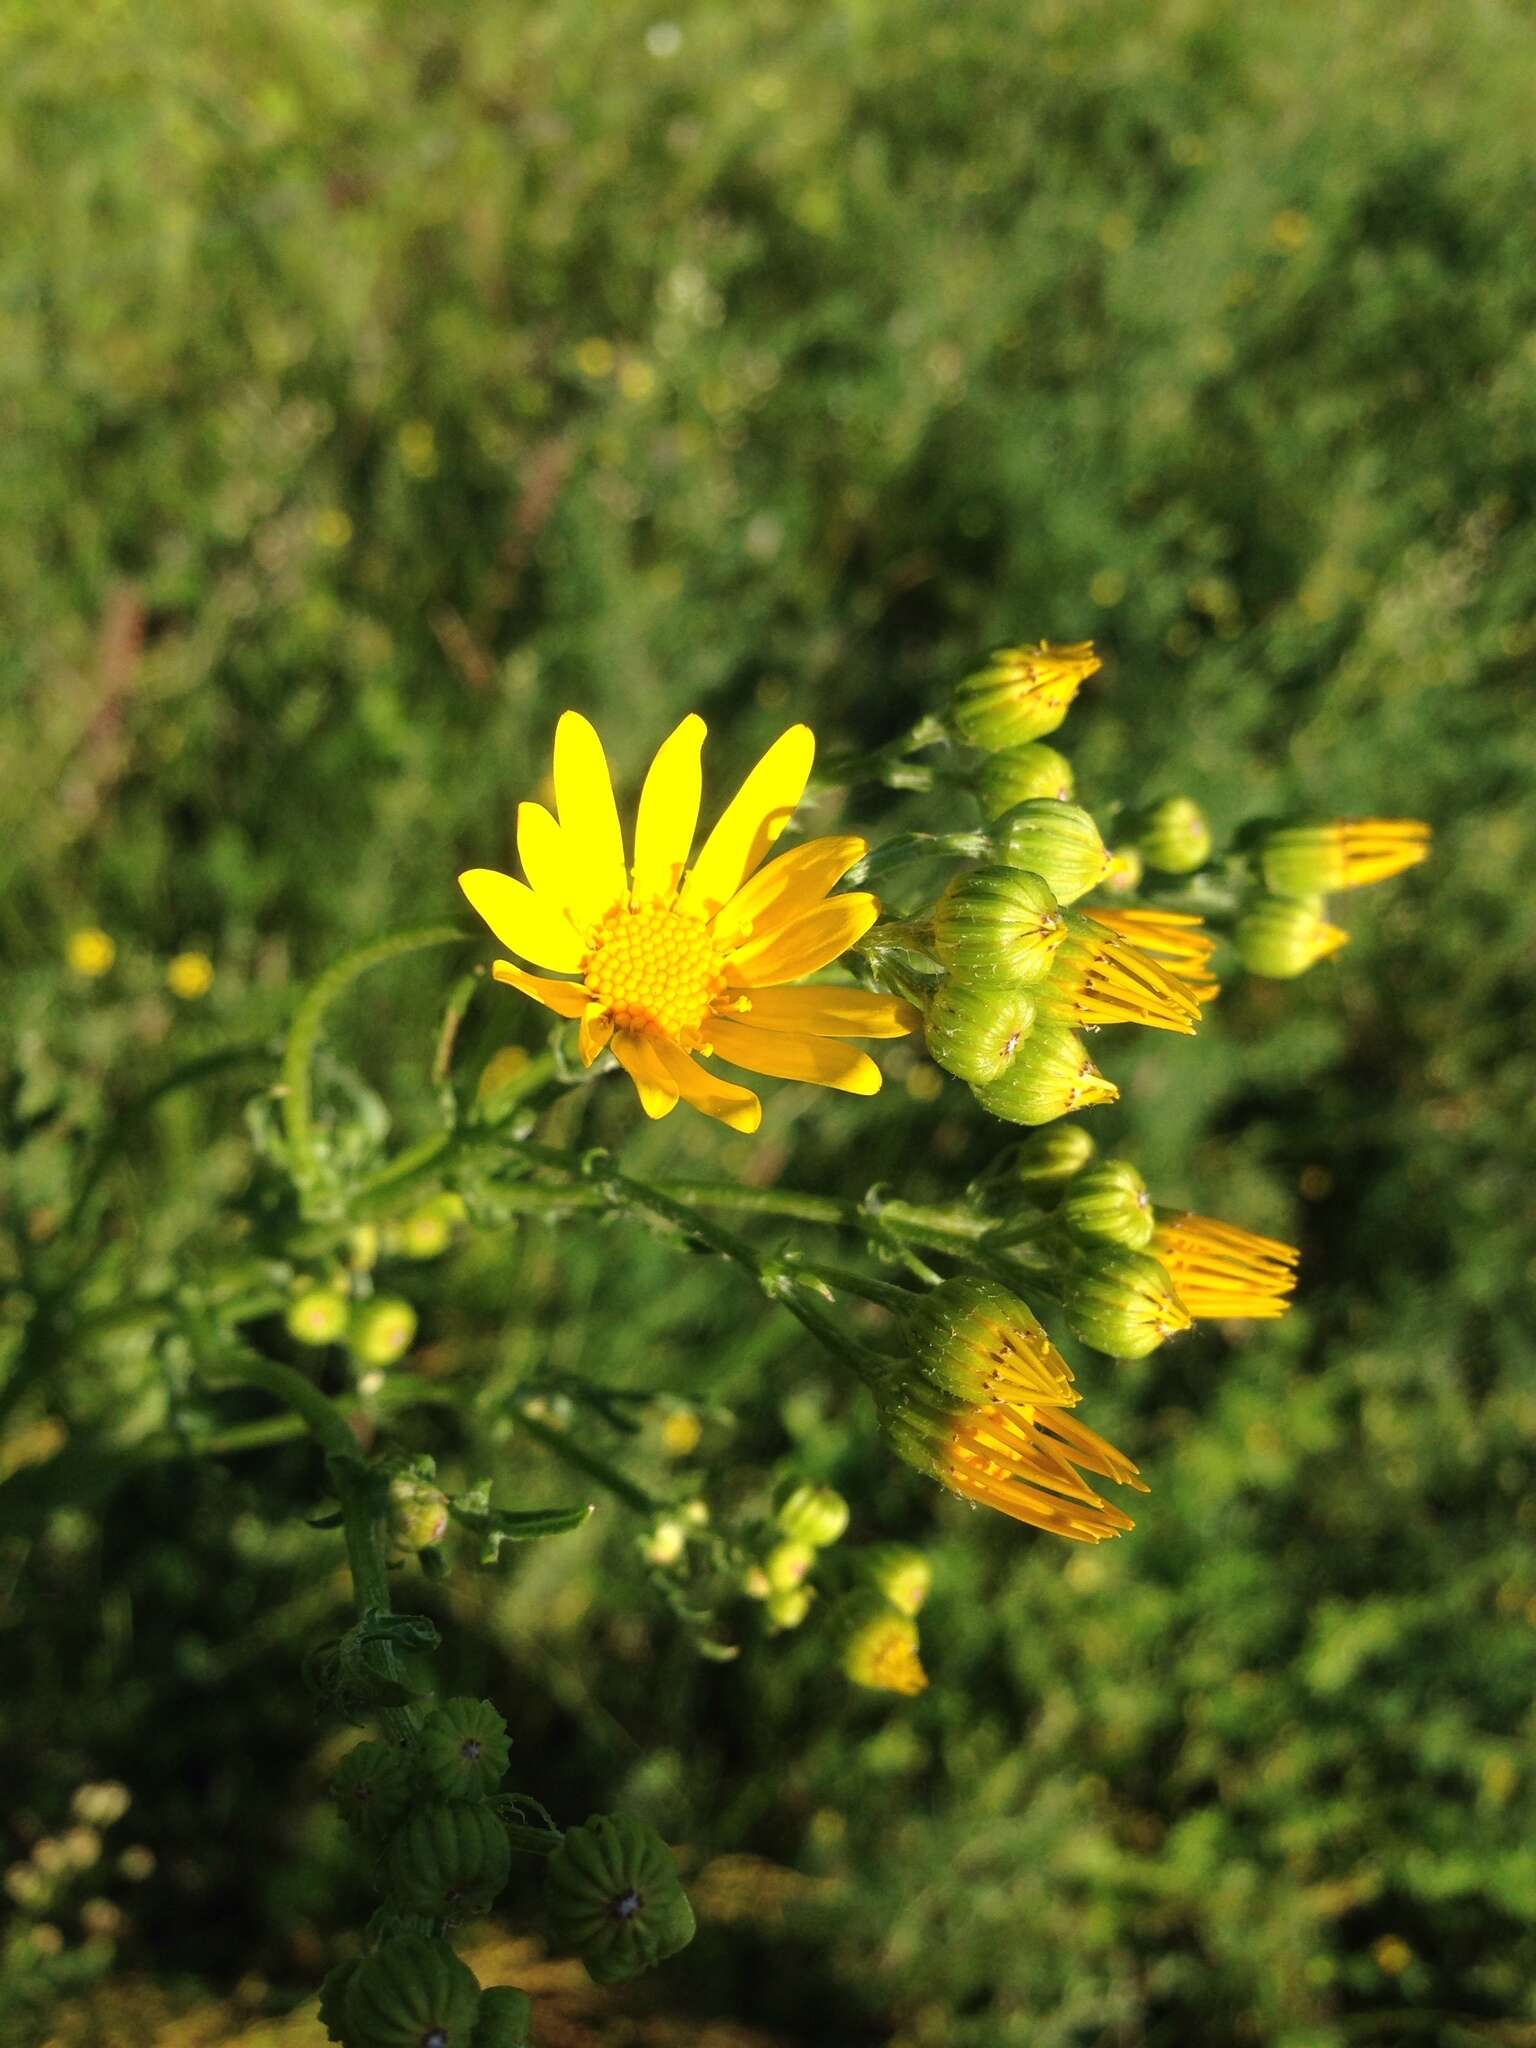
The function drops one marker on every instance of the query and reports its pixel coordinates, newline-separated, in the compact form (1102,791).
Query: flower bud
(817,1515)
(1059,842)
(449,1860)
(1124,871)
(1174,836)
(1018,774)
(506,2019)
(1122,1303)
(1100,978)
(382,1330)
(333,1999)
(1049,1159)
(373,1788)
(755,1583)
(1301,858)
(464,1749)
(1281,937)
(412,1992)
(318,1315)
(977,1342)
(665,1544)
(900,1574)
(1021,694)
(1109,1204)
(418,1513)
(787,1609)
(877,1646)
(428,1232)
(1051,1076)
(995,928)
(973,1033)
(788,1564)
(1221,1270)
(613,1896)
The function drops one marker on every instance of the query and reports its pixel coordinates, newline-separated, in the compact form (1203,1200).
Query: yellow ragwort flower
(674,960)
(1176,937)
(91,952)
(1220,1270)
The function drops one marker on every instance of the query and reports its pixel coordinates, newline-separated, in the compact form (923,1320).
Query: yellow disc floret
(653,969)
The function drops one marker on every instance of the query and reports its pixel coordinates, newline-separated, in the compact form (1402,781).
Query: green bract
(997,928)
(449,1860)
(411,1993)
(1109,1203)
(464,1749)
(614,1897)
(1050,1076)
(1019,774)
(373,1788)
(1059,842)
(973,1033)
(1122,1302)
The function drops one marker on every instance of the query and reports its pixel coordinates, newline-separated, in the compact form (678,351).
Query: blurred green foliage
(375,381)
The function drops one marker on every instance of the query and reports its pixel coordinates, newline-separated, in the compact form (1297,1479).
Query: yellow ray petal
(809,942)
(566,998)
(640,1059)
(589,817)
(527,924)
(669,811)
(596,1030)
(796,1057)
(793,882)
(832,1012)
(751,821)
(555,867)
(718,1098)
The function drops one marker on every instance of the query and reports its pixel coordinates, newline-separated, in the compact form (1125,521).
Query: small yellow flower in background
(595,357)
(418,448)
(1391,1954)
(679,963)
(1290,229)
(681,1431)
(91,952)
(1220,1270)
(332,528)
(637,380)
(878,1645)
(190,976)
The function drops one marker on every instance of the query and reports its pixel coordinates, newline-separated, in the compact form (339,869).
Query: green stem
(566,1447)
(304,1036)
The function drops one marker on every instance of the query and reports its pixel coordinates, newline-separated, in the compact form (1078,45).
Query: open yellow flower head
(1222,1270)
(672,962)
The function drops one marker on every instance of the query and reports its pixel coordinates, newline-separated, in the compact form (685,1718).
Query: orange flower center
(653,969)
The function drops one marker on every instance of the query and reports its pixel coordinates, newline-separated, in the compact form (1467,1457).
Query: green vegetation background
(376,381)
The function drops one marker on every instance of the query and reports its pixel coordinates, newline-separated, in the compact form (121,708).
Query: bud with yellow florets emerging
(1022,693)
(997,928)
(418,1513)
(877,1645)
(1281,937)
(1221,1270)
(973,1033)
(1051,1075)
(788,1607)
(1121,1302)
(1176,939)
(1059,842)
(1174,836)
(900,1574)
(1018,775)
(981,1403)
(1303,858)
(1099,978)
(1109,1204)
(817,1515)
(318,1315)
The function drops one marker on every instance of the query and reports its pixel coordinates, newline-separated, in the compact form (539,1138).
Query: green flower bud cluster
(378,1331)
(1173,836)
(613,1897)
(1297,863)
(807,1519)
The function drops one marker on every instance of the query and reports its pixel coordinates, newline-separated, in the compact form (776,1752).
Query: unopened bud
(1174,836)
(973,1033)
(1109,1204)
(902,1575)
(382,1330)
(665,1544)
(995,928)
(1021,694)
(1305,858)
(318,1315)
(410,1992)
(464,1749)
(1281,937)
(449,1860)
(418,1513)
(333,1999)
(789,1608)
(877,1645)
(1059,842)
(755,1583)
(1049,1159)
(613,1896)
(1019,774)
(1051,1076)
(1122,1303)
(428,1232)
(817,1515)
(373,1789)
(788,1564)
